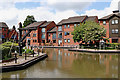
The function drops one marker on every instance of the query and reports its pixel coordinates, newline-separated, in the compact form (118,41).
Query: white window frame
(113,21)
(116,21)
(113,30)
(116,30)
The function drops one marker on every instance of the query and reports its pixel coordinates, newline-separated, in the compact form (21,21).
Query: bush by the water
(5,48)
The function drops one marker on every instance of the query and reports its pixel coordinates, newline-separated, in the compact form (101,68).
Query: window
(54,41)
(60,28)
(54,36)
(116,30)
(104,22)
(65,33)
(65,40)
(49,34)
(28,35)
(43,29)
(113,22)
(116,21)
(68,26)
(68,33)
(34,35)
(68,40)
(74,25)
(60,35)
(43,36)
(113,31)
(64,26)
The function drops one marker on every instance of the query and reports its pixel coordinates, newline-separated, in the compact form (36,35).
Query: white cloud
(104,12)
(54,10)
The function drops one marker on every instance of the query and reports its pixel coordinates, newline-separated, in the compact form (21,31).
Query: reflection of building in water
(66,59)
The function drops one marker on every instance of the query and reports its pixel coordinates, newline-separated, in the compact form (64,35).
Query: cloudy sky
(14,11)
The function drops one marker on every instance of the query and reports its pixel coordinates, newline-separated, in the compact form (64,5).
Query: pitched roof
(46,24)
(35,24)
(91,18)
(3,25)
(75,19)
(53,29)
(109,16)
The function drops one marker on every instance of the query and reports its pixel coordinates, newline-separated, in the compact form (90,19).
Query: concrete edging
(95,51)
(23,65)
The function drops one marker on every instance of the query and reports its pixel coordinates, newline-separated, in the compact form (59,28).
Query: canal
(62,63)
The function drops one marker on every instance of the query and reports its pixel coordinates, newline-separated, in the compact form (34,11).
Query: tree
(29,20)
(88,31)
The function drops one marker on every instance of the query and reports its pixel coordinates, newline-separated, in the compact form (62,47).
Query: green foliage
(9,44)
(28,21)
(28,51)
(5,48)
(114,45)
(88,31)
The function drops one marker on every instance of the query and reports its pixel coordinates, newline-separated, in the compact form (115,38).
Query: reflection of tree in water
(73,64)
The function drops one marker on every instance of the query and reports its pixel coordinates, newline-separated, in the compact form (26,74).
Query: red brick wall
(106,27)
(39,35)
(5,32)
(70,36)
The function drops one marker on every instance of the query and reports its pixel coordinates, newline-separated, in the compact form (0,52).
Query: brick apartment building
(39,36)
(52,38)
(6,33)
(66,26)
(112,26)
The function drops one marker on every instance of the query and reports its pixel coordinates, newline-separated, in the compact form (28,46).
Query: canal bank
(95,51)
(22,63)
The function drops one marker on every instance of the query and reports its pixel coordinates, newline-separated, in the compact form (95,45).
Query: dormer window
(104,22)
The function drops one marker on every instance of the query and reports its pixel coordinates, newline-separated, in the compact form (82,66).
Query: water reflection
(62,63)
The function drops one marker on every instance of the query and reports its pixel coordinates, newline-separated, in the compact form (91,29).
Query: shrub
(5,48)
(5,51)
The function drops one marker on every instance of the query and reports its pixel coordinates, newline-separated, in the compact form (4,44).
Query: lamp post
(33,52)
(102,43)
(38,50)
(25,55)
(15,56)
(42,49)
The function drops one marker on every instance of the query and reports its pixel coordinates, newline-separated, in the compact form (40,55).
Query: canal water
(62,63)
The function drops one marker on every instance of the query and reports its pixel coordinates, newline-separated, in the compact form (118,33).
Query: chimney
(116,11)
